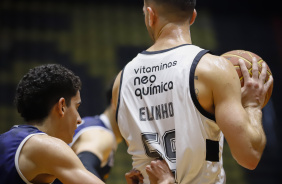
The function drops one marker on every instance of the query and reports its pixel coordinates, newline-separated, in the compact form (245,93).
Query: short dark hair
(41,88)
(183,5)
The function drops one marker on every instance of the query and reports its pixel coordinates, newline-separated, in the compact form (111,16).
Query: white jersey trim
(120,85)
(192,86)
(162,51)
(106,121)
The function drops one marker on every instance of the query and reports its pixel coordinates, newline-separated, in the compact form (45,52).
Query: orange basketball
(247,56)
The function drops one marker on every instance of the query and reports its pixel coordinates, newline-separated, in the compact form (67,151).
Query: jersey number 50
(155,149)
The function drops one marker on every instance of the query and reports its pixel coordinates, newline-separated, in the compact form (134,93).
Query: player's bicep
(226,91)
(77,175)
(230,115)
(56,158)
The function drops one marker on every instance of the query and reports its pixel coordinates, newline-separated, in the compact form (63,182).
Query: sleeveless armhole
(120,84)
(192,85)
(17,157)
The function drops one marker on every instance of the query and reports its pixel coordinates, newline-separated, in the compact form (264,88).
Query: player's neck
(46,126)
(171,35)
(53,126)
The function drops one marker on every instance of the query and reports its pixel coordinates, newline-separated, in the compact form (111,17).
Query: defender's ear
(61,105)
(192,20)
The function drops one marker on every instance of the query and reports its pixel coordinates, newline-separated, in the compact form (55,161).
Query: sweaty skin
(237,110)
(44,158)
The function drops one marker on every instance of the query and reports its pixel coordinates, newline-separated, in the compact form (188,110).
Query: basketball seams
(246,56)
(250,54)
(241,57)
(238,57)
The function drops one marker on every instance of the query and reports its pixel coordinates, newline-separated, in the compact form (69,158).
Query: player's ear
(61,106)
(151,16)
(194,15)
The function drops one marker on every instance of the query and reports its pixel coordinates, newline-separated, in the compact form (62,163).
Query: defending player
(177,101)
(96,139)
(47,98)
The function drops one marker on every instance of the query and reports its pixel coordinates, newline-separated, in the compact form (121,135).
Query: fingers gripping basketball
(246,56)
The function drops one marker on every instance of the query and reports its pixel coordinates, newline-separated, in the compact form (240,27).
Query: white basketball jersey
(160,117)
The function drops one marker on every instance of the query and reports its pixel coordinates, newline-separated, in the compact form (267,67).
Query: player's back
(158,113)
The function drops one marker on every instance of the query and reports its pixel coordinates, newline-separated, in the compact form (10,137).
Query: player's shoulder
(43,152)
(45,140)
(115,90)
(46,154)
(210,65)
(216,71)
(42,144)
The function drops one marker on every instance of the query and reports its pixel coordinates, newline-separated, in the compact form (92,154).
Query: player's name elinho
(156,112)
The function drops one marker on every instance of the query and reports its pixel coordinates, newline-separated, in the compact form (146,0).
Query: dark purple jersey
(11,143)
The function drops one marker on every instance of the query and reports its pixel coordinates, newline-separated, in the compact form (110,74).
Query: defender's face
(72,117)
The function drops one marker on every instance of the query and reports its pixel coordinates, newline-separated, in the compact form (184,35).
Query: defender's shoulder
(43,143)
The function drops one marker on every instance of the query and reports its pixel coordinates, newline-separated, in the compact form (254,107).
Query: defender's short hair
(41,88)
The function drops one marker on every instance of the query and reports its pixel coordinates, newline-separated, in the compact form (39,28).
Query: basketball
(247,56)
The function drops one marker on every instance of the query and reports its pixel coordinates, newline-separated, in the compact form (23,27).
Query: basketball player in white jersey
(177,101)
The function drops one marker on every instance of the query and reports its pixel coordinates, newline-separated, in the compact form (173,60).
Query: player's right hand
(254,89)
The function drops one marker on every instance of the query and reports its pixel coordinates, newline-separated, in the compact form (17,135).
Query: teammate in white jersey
(169,96)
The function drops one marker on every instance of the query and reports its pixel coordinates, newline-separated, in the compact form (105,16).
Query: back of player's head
(42,87)
(178,6)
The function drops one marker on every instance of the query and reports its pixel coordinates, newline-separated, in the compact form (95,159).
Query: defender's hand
(134,177)
(159,173)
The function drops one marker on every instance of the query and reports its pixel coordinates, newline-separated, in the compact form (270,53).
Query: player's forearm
(80,176)
(247,140)
(258,136)
(252,146)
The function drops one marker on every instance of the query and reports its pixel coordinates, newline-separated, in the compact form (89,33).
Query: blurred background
(97,38)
